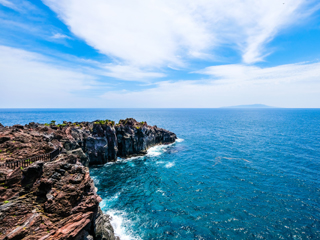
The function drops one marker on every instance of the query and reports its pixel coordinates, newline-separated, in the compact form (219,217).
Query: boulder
(102,227)
(84,159)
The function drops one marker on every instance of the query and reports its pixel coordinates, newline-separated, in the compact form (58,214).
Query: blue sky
(183,53)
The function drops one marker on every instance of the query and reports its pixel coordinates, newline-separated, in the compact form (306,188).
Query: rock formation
(53,200)
(135,138)
(94,142)
(126,139)
(57,200)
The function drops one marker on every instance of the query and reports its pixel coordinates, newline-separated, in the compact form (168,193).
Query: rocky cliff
(57,200)
(53,200)
(95,142)
(126,139)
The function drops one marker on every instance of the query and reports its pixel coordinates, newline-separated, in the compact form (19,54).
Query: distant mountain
(251,106)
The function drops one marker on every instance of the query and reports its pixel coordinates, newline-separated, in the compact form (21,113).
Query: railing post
(26,162)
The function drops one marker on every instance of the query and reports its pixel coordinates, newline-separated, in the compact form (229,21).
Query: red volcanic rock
(11,183)
(57,200)
(94,142)
(54,200)
(20,143)
(73,225)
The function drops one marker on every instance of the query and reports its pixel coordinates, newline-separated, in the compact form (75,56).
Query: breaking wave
(179,140)
(119,221)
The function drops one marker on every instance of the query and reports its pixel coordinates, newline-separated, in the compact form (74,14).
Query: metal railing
(26,162)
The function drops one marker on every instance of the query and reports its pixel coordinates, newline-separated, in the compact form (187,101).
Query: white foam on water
(115,197)
(157,150)
(110,200)
(118,218)
(131,164)
(108,163)
(103,204)
(151,152)
(170,165)
(119,159)
(179,140)
(119,223)
(154,151)
(162,192)
(95,180)
(128,159)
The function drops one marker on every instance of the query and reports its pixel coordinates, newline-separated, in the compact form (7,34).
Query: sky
(159,53)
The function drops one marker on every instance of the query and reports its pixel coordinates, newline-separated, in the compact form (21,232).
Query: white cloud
(22,6)
(8,4)
(32,80)
(165,32)
(242,74)
(121,72)
(294,85)
(60,36)
(130,73)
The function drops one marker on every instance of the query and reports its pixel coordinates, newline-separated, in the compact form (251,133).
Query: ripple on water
(237,175)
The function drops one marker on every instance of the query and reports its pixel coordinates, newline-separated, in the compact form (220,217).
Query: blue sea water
(233,173)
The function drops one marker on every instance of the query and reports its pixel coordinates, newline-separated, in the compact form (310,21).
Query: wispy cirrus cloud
(30,79)
(60,36)
(289,85)
(8,4)
(22,6)
(27,77)
(161,33)
(126,72)
(156,43)
(241,74)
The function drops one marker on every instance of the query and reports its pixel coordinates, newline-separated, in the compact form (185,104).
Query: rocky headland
(58,199)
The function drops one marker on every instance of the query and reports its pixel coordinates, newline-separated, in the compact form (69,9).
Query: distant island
(250,106)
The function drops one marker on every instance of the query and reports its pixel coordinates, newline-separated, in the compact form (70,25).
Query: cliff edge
(53,200)
(57,199)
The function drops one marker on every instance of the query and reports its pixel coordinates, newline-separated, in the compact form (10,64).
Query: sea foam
(179,140)
(119,221)
(170,165)
(151,152)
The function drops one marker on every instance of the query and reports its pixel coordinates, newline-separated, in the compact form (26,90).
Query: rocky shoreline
(58,199)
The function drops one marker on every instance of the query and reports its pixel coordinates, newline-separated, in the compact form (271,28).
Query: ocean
(232,174)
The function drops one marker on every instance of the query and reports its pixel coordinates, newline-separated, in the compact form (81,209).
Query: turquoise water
(234,174)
